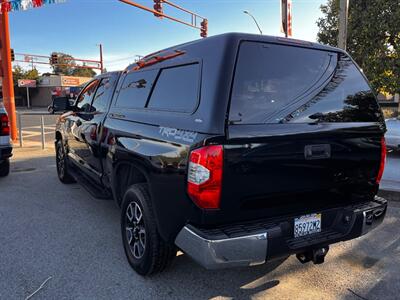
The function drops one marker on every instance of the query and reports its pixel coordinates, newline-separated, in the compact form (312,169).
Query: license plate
(307,224)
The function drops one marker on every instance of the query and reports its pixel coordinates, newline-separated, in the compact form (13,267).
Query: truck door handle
(322,151)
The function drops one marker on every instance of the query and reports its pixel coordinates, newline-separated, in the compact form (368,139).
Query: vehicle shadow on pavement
(237,283)
(378,253)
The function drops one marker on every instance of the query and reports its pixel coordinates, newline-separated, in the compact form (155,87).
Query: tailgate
(299,172)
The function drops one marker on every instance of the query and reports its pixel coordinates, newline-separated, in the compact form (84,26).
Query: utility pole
(8,85)
(101,59)
(343,17)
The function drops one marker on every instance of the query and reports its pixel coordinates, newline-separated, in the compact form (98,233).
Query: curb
(390,195)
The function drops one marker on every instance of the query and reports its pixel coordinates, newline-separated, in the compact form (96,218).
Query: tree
(65,65)
(87,72)
(32,74)
(373,38)
(20,73)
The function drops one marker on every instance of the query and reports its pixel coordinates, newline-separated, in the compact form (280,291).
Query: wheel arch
(134,173)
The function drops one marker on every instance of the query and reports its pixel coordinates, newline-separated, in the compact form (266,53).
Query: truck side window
(103,95)
(136,88)
(177,89)
(85,98)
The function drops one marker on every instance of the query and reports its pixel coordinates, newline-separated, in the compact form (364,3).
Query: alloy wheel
(135,230)
(60,160)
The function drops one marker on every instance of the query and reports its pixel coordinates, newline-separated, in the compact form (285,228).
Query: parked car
(60,104)
(5,146)
(236,149)
(393,134)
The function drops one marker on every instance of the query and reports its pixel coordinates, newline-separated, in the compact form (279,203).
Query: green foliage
(373,38)
(20,73)
(65,65)
(87,72)
(32,74)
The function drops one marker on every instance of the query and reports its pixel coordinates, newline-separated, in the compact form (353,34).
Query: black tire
(5,168)
(156,254)
(62,164)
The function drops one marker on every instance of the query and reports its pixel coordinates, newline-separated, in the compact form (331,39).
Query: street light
(254,19)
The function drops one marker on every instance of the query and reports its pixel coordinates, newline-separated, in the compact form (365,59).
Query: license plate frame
(307,224)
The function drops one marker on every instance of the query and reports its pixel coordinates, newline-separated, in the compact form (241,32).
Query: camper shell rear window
(280,83)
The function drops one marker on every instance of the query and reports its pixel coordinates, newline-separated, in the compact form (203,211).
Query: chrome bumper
(215,249)
(372,218)
(224,253)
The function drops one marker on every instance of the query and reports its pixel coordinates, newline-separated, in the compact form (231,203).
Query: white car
(5,145)
(393,133)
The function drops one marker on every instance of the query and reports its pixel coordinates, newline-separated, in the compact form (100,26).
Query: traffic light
(204,28)
(12,55)
(54,59)
(158,7)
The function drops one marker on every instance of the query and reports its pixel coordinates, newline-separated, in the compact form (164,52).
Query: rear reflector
(4,125)
(383,160)
(205,176)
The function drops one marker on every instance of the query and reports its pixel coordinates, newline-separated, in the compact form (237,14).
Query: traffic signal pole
(8,85)
(158,12)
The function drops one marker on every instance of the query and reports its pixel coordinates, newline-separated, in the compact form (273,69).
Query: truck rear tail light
(4,125)
(383,160)
(205,176)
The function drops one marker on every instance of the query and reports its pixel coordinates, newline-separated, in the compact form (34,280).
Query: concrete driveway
(51,230)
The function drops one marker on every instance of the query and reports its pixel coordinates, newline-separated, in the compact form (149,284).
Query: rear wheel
(62,164)
(5,168)
(146,251)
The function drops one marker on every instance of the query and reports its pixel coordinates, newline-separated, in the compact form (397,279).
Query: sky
(77,27)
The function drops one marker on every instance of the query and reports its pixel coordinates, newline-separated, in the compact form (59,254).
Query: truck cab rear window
(279,83)
(177,89)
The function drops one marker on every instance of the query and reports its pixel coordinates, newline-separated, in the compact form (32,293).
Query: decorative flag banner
(16,5)
(286,11)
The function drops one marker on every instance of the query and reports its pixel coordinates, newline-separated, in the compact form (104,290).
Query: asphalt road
(49,230)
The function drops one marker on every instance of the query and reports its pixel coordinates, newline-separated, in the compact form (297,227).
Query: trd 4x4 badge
(177,134)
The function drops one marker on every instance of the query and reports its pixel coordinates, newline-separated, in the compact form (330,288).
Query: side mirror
(60,104)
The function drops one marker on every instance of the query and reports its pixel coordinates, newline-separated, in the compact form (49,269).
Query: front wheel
(5,168)
(146,251)
(62,164)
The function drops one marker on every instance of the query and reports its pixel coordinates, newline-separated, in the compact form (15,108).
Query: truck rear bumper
(257,242)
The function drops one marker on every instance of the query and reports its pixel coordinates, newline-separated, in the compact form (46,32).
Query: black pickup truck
(236,149)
